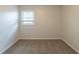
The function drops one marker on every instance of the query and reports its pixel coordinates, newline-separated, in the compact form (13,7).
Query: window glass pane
(28,18)
(28,14)
(28,23)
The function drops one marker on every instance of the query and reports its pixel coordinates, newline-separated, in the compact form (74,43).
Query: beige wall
(8,26)
(70,25)
(47,23)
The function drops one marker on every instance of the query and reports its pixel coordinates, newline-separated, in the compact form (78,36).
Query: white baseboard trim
(71,46)
(8,46)
(39,38)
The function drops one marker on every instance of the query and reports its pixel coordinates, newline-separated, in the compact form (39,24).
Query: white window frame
(27,22)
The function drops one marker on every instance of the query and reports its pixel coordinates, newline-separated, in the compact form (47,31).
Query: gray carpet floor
(40,47)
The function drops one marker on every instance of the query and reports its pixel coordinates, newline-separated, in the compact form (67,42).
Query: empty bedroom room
(39,29)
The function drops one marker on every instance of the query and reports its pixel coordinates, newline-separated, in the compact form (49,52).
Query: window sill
(27,23)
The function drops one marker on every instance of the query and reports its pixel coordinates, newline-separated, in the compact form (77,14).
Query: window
(28,17)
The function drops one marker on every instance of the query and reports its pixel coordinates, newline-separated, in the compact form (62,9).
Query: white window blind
(28,17)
